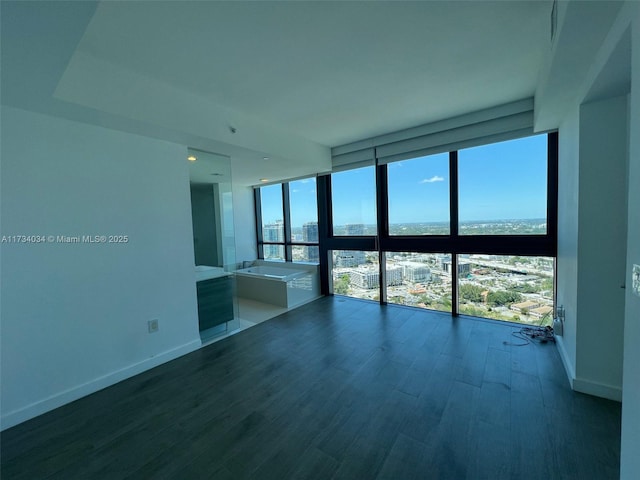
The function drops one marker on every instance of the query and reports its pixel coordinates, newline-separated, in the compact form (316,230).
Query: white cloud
(435,178)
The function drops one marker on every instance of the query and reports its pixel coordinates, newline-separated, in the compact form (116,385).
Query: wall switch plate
(635,279)
(153,326)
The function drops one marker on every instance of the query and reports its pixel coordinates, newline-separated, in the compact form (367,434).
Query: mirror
(213,242)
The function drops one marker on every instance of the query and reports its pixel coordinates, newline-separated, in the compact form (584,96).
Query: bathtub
(271,273)
(282,284)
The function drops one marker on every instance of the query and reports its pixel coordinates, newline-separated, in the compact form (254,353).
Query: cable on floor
(532,335)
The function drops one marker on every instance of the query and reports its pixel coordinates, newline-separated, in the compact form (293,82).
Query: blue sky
(302,195)
(501,181)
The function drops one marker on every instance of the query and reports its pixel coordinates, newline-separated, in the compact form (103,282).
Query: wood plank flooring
(337,389)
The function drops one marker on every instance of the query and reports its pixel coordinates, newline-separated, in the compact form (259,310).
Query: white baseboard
(564,356)
(582,385)
(598,389)
(28,412)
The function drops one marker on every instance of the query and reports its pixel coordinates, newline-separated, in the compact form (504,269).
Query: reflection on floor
(250,312)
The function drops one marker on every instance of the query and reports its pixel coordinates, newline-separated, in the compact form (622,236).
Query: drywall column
(602,239)
(630,446)
(567,259)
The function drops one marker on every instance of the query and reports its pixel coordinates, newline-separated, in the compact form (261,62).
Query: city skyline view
(501,190)
(497,182)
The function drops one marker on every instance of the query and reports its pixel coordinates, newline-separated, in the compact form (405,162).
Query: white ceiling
(332,72)
(294,78)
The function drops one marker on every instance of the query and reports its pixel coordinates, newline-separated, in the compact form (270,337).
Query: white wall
(567,259)
(245,223)
(630,460)
(74,316)
(602,237)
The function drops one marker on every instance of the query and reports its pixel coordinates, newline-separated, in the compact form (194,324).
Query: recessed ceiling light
(264,180)
(192,158)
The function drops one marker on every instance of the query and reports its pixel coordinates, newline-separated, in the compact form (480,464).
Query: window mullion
(286,216)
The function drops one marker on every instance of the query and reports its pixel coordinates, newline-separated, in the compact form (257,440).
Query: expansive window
(419,196)
(419,280)
(503,188)
(272,222)
(356,274)
(287,219)
(470,231)
(507,287)
(353,202)
(303,207)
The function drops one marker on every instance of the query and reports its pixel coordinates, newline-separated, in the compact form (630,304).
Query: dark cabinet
(215,301)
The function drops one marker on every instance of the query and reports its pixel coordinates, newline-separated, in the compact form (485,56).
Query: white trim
(28,412)
(589,387)
(582,385)
(566,361)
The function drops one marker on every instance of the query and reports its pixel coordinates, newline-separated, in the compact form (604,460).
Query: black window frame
(288,244)
(453,244)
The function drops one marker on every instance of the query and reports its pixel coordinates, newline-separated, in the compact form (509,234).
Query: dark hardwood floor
(337,389)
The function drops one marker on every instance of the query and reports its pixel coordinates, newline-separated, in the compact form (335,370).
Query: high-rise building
(310,232)
(273,232)
(310,235)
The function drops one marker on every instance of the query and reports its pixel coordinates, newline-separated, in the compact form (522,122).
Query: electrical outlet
(635,280)
(153,325)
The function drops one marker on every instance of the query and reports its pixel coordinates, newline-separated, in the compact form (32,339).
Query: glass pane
(273,252)
(513,288)
(419,280)
(303,210)
(304,253)
(272,214)
(353,197)
(503,188)
(419,196)
(356,274)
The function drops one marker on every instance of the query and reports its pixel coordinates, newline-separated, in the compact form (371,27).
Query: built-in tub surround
(283,284)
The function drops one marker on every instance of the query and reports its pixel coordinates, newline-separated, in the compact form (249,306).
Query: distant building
(310,234)
(415,272)
(542,311)
(369,277)
(354,229)
(394,276)
(273,232)
(351,258)
(364,278)
(464,268)
(528,305)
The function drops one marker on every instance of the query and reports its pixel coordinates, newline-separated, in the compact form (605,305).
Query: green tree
(503,297)
(471,293)
(341,287)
